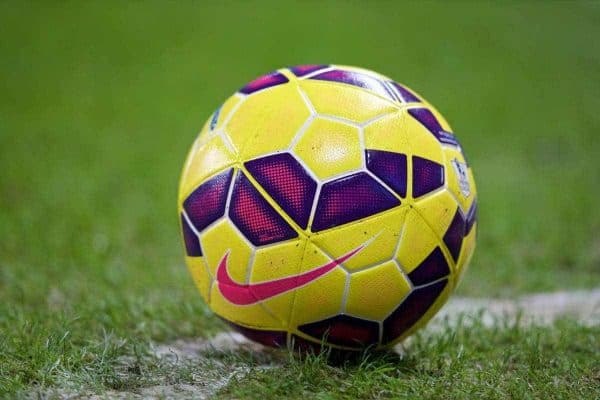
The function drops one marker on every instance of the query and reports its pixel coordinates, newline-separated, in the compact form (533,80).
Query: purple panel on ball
(411,310)
(206,204)
(455,234)
(351,198)
(287,182)
(192,243)
(344,330)
(405,95)
(389,167)
(255,217)
(267,338)
(429,121)
(301,70)
(356,79)
(431,269)
(427,176)
(266,81)
(471,217)
(215,118)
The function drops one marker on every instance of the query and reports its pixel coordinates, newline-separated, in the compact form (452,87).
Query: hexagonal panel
(200,276)
(429,121)
(390,133)
(412,309)
(287,182)
(437,210)
(253,316)
(471,218)
(330,148)
(381,233)
(207,202)
(416,242)
(267,121)
(344,330)
(276,263)
(302,70)
(404,94)
(375,292)
(351,198)
(191,241)
(468,247)
(345,101)
(266,81)
(265,337)
(460,178)
(432,268)
(255,217)
(221,239)
(322,297)
(221,113)
(453,237)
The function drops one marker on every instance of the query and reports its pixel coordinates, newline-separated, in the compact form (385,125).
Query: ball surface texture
(326,204)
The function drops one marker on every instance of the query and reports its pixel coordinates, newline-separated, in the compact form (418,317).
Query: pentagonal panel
(375,292)
(427,176)
(322,297)
(330,148)
(349,199)
(377,237)
(207,202)
(223,240)
(267,121)
(255,217)
(343,330)
(203,162)
(412,309)
(287,182)
(345,101)
(390,167)
(356,78)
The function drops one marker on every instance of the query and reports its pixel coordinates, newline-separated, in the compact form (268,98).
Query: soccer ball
(327,205)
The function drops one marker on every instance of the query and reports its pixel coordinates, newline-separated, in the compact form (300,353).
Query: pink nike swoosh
(255,292)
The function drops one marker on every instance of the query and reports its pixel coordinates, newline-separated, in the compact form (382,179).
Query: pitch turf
(99,103)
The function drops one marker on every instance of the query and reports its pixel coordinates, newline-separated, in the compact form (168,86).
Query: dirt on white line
(543,308)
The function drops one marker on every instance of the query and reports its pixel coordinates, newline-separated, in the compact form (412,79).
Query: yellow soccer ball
(324,204)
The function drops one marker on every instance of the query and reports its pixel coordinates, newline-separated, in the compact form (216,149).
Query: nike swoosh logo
(254,292)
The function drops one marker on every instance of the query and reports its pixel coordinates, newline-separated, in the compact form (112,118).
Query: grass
(475,362)
(99,102)
(504,361)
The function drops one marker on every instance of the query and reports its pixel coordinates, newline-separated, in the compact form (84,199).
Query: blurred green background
(100,101)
